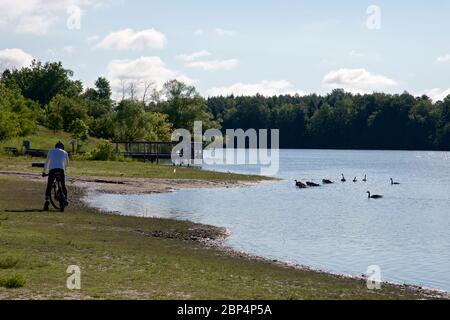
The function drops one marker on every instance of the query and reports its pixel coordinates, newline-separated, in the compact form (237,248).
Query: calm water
(334,228)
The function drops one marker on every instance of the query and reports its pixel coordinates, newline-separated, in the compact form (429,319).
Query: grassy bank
(138,258)
(46,139)
(132,169)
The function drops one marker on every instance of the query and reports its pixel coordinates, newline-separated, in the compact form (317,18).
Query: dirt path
(119,185)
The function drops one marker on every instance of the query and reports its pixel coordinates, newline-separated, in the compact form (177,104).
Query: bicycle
(57,198)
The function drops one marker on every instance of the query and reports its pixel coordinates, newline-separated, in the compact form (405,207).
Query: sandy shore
(119,185)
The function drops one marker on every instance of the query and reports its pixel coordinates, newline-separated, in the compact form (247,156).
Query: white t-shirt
(57,159)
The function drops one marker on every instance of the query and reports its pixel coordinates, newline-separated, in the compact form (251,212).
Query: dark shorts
(51,179)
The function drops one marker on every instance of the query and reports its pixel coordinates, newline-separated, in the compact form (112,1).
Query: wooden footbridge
(153,151)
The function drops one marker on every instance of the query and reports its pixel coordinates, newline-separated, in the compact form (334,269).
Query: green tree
(18,115)
(9,124)
(159,127)
(130,121)
(442,140)
(184,105)
(292,123)
(79,130)
(42,82)
(103,89)
(133,123)
(62,111)
(100,109)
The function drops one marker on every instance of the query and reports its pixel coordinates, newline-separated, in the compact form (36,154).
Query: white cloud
(193,56)
(444,58)
(198,32)
(14,59)
(214,65)
(356,80)
(436,94)
(223,32)
(265,88)
(12,9)
(144,69)
(37,16)
(38,25)
(128,39)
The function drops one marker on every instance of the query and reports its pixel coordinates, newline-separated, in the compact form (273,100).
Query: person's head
(59,145)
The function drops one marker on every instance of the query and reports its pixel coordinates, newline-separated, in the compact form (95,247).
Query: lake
(335,227)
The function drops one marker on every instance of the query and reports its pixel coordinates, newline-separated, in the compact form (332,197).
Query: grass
(46,139)
(133,169)
(141,258)
(8,262)
(13,281)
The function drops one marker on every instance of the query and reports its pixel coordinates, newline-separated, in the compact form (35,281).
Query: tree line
(45,94)
(342,120)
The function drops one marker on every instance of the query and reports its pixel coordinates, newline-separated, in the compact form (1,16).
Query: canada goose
(312,184)
(365,178)
(355,180)
(394,183)
(343,178)
(375,196)
(326,181)
(300,184)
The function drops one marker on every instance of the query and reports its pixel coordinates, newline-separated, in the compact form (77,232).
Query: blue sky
(240,47)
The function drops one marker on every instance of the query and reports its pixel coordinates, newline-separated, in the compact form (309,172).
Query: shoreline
(138,186)
(219,244)
(156,186)
(428,291)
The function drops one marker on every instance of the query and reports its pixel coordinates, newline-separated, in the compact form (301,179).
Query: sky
(240,47)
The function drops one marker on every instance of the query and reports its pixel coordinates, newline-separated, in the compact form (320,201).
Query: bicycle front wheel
(55,197)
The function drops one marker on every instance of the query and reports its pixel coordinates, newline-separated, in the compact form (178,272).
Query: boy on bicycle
(57,160)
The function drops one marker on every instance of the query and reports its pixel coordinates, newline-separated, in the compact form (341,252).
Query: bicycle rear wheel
(61,205)
(54,197)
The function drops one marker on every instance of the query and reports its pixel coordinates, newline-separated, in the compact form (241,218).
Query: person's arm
(66,160)
(47,162)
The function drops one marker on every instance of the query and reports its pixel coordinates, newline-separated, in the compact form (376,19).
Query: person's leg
(63,184)
(50,181)
(48,190)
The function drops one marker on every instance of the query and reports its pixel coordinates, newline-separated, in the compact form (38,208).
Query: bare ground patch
(115,185)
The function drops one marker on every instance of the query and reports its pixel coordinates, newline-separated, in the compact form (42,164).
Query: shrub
(8,262)
(13,281)
(105,152)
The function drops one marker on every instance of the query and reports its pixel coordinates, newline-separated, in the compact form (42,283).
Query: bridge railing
(151,150)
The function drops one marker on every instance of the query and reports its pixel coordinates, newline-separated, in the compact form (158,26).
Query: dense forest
(341,120)
(45,94)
